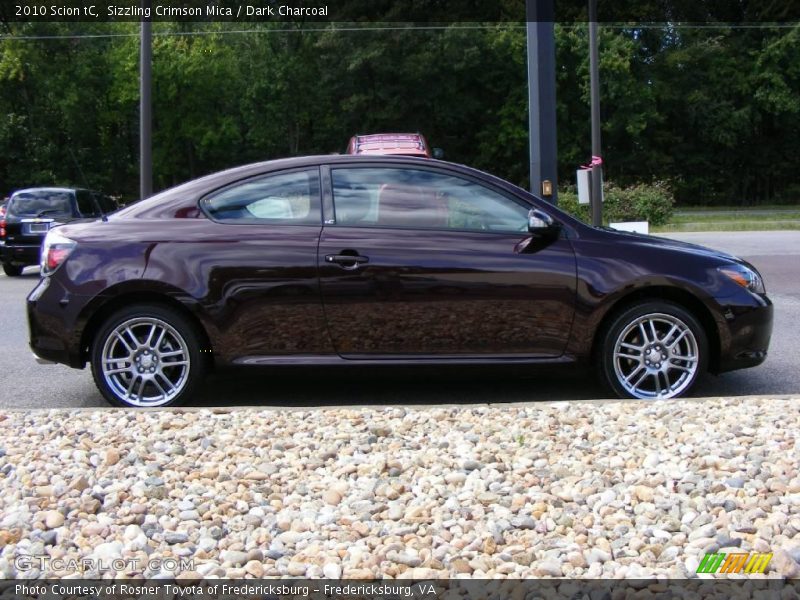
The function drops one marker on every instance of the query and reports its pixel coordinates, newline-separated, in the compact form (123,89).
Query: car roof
(46,189)
(163,203)
(278,164)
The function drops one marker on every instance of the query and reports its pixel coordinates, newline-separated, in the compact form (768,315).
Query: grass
(765,218)
(771,207)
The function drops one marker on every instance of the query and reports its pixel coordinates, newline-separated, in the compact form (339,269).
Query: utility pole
(594,80)
(145,106)
(542,98)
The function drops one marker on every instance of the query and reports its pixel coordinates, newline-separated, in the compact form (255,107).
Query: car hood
(667,243)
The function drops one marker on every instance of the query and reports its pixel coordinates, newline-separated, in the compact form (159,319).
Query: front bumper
(749,330)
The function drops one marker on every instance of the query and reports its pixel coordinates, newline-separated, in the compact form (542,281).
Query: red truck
(398,144)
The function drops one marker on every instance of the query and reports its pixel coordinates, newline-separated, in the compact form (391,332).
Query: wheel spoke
(177,363)
(111,362)
(632,346)
(172,353)
(653,330)
(150,335)
(166,380)
(160,389)
(659,389)
(121,338)
(131,385)
(140,392)
(628,356)
(117,370)
(132,335)
(678,339)
(639,381)
(160,339)
(669,335)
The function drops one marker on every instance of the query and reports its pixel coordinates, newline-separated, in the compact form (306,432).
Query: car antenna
(103,216)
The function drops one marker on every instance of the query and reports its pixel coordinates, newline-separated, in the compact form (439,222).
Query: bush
(643,202)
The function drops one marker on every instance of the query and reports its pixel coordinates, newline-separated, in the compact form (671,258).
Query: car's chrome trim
(404,360)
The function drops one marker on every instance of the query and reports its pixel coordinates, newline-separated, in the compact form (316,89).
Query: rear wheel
(12,270)
(147,356)
(653,350)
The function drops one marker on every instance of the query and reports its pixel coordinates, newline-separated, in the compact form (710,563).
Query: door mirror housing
(540,223)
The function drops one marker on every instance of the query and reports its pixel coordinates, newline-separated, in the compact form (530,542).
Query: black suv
(32,212)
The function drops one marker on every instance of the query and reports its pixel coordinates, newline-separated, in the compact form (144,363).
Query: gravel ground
(574,489)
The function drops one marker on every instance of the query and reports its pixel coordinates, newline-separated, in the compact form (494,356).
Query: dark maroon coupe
(381,260)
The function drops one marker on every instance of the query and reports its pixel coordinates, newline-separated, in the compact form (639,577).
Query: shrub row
(643,202)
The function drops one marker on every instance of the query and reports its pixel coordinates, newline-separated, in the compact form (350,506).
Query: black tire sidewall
(182,325)
(605,359)
(12,270)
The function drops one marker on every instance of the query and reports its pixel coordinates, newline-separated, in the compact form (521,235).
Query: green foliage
(714,111)
(641,202)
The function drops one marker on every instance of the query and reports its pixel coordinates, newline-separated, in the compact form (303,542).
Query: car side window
(107,205)
(86,204)
(281,199)
(421,199)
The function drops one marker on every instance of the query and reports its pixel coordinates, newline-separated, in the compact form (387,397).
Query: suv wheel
(12,270)
(147,356)
(653,350)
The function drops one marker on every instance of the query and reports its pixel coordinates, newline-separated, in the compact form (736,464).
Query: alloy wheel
(656,356)
(145,362)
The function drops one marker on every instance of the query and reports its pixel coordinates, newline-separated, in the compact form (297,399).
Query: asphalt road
(26,384)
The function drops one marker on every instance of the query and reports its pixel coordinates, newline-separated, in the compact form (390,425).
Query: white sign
(584,186)
(633,226)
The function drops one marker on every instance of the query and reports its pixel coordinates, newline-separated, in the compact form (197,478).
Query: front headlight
(746,277)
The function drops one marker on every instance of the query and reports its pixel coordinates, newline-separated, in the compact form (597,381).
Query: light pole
(594,82)
(542,98)
(145,106)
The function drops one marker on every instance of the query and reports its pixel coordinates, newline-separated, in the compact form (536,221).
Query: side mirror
(540,223)
(438,153)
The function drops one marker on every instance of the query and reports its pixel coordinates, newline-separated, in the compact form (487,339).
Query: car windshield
(41,204)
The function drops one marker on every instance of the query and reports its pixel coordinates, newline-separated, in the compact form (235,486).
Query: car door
(257,258)
(421,261)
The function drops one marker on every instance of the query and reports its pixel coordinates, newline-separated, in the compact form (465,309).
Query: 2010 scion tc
(338,260)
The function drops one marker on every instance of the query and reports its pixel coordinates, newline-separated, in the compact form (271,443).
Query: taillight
(55,251)
(2,228)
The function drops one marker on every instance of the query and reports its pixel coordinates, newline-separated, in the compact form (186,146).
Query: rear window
(40,204)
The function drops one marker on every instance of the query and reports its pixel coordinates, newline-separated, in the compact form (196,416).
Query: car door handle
(346,261)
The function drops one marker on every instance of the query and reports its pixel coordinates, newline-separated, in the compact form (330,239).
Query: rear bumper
(749,332)
(53,336)
(42,361)
(21,255)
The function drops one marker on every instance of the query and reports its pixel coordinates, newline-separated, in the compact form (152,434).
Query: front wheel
(653,350)
(12,270)
(147,356)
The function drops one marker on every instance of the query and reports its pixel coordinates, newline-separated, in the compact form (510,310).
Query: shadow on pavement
(339,386)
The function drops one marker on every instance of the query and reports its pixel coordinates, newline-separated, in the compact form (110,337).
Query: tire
(12,270)
(135,375)
(652,350)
